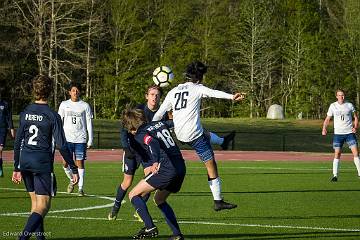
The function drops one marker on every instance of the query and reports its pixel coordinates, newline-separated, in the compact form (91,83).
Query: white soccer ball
(163,76)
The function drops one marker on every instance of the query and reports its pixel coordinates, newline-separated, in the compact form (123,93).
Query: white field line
(215,224)
(25,214)
(253,168)
(64,210)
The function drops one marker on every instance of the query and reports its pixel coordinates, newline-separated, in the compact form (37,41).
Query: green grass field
(276,200)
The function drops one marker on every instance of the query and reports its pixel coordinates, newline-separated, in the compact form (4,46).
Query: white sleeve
(61,112)
(89,126)
(352,107)
(208,92)
(165,106)
(330,112)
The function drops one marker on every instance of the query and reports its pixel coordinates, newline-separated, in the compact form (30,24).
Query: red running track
(116,155)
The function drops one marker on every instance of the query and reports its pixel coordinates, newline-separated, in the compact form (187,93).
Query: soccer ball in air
(163,76)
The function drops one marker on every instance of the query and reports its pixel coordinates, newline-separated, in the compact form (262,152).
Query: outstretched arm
(239,96)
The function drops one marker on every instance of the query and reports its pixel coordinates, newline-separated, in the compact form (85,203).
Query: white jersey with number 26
(77,119)
(342,114)
(185,102)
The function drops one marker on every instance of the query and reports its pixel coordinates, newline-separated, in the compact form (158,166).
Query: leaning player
(77,118)
(184,101)
(40,128)
(134,155)
(6,123)
(167,171)
(344,130)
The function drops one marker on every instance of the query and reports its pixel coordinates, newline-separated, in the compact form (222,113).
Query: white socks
(357,164)
(215,187)
(81,177)
(335,167)
(68,172)
(215,139)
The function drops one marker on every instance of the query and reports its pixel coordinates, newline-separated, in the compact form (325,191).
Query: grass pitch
(276,200)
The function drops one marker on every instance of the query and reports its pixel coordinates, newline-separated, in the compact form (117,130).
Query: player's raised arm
(164,107)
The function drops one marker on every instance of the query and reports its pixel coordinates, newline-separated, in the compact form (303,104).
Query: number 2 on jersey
(181,100)
(34,131)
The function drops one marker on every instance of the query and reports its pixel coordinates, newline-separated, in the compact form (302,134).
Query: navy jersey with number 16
(40,129)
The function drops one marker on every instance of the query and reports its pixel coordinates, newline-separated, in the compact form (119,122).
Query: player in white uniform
(184,101)
(344,130)
(77,119)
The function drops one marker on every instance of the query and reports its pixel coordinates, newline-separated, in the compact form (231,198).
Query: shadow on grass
(302,235)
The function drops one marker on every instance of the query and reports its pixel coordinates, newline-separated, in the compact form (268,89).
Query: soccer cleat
(176,237)
(70,188)
(334,179)
(146,233)
(227,139)
(113,214)
(221,205)
(137,216)
(81,193)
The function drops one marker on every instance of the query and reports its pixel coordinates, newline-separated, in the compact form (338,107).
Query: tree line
(290,52)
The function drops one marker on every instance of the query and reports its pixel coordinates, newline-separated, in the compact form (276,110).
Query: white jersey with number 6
(342,114)
(185,102)
(77,119)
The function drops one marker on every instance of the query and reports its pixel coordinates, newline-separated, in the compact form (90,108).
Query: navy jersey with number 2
(40,129)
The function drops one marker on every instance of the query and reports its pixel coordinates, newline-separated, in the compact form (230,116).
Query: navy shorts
(166,179)
(78,150)
(3,133)
(340,139)
(40,183)
(203,148)
(130,165)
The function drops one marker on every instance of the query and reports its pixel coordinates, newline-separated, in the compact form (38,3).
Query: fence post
(98,138)
(283,142)
(233,142)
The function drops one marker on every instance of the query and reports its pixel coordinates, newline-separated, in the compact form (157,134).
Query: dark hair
(74,84)
(133,118)
(154,87)
(42,87)
(195,71)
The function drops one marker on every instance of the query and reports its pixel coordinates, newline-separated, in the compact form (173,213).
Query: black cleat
(227,139)
(113,214)
(176,237)
(1,170)
(221,205)
(146,233)
(333,179)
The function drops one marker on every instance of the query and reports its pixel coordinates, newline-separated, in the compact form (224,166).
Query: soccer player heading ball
(185,101)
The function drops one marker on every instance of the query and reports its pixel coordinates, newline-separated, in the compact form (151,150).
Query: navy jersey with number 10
(40,129)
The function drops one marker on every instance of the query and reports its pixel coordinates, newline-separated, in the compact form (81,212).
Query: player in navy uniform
(40,128)
(167,171)
(134,154)
(5,124)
